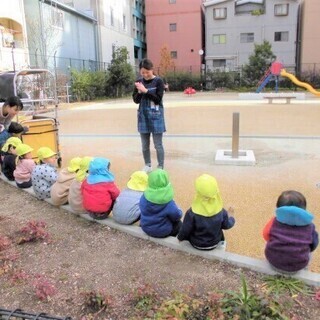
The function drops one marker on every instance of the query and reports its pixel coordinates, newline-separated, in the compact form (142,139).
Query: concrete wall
(310,44)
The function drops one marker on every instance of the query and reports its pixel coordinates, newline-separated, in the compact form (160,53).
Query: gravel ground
(84,256)
(81,256)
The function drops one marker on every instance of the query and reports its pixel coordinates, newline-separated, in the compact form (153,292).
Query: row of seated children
(290,235)
(88,186)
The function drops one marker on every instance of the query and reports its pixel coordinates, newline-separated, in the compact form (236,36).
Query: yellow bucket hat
(207,201)
(23,149)
(74,165)
(14,141)
(83,170)
(45,153)
(138,181)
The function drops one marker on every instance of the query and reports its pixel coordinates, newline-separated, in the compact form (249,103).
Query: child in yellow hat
(126,208)
(25,166)
(75,195)
(44,174)
(8,157)
(204,221)
(60,189)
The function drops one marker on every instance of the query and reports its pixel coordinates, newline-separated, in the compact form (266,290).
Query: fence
(18,314)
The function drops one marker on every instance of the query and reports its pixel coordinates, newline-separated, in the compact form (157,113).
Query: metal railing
(19,314)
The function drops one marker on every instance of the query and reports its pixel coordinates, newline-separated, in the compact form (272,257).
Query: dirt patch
(82,256)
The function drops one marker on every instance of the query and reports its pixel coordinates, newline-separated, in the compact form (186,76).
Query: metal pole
(235,134)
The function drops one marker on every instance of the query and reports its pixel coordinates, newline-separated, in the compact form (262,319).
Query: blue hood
(99,172)
(293,216)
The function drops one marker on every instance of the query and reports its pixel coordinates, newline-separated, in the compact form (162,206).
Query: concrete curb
(257,265)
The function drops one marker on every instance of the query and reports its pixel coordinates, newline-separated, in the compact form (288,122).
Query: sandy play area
(285,139)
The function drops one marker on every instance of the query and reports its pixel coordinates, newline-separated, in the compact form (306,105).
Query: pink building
(177,24)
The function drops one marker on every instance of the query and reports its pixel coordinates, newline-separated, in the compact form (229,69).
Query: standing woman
(148,94)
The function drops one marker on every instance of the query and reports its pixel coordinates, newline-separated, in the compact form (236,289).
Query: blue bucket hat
(99,171)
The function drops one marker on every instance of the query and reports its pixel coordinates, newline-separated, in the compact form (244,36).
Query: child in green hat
(160,216)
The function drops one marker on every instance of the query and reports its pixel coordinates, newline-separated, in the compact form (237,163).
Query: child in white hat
(126,208)
(25,166)
(44,174)
(60,189)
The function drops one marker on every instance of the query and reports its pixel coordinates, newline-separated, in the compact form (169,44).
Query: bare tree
(166,63)
(43,39)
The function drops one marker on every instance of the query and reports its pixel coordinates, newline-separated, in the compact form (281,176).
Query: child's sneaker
(222,245)
(147,169)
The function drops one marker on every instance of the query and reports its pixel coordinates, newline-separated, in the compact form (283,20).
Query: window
(124,22)
(111,17)
(281,9)
(57,18)
(220,13)
(219,39)
(281,36)
(172,1)
(173,27)
(246,37)
(174,54)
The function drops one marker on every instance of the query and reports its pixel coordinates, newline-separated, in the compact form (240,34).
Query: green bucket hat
(159,190)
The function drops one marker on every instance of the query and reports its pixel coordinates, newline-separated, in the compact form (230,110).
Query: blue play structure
(272,74)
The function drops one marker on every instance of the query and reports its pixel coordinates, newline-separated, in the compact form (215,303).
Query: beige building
(310,38)
(13,40)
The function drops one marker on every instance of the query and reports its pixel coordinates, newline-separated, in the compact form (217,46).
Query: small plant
(19,276)
(279,284)
(175,308)
(144,297)
(44,289)
(33,231)
(96,301)
(5,243)
(248,305)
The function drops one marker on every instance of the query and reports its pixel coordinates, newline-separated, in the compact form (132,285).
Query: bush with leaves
(259,62)
(88,85)
(179,81)
(121,77)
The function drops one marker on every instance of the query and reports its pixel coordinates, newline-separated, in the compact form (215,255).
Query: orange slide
(299,83)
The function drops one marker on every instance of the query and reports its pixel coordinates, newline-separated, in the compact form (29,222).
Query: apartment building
(120,23)
(178,25)
(57,33)
(234,26)
(310,37)
(14,53)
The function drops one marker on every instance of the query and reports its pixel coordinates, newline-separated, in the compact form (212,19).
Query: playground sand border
(257,265)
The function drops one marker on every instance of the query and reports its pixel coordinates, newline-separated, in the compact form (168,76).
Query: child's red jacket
(98,197)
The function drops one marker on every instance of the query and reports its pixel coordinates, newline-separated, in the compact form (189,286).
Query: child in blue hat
(99,191)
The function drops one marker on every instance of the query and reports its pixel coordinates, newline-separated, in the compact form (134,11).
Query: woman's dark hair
(14,101)
(292,198)
(146,64)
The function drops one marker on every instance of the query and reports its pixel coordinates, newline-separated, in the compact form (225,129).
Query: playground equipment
(276,70)
(189,91)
